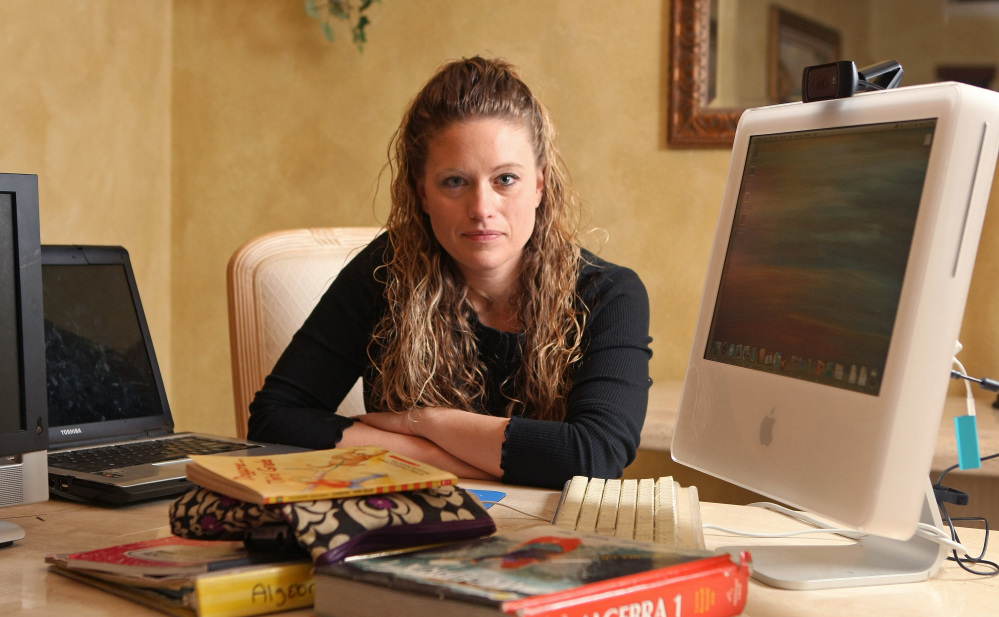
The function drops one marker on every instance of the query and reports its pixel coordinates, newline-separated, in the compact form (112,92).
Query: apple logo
(767,428)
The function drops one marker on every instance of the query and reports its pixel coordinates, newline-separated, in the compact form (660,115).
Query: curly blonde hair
(424,349)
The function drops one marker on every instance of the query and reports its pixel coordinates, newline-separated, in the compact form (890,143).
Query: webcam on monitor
(839,80)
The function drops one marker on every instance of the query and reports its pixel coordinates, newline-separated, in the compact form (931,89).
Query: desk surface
(28,589)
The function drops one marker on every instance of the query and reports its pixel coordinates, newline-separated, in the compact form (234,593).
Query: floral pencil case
(333,529)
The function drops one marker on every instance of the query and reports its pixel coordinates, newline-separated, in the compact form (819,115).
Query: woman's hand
(476,439)
(406,423)
(393,422)
(412,446)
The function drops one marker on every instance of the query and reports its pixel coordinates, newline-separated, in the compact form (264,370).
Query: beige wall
(182,129)
(85,105)
(274,127)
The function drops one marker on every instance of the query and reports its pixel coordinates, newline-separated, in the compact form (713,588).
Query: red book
(167,556)
(708,587)
(538,572)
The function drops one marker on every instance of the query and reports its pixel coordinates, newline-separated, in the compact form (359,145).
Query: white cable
(786,534)
(970,398)
(798,515)
(940,536)
(500,503)
(924,530)
(936,535)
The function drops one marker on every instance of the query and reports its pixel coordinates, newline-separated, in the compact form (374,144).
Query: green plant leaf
(312,9)
(329,10)
(359,35)
(339,9)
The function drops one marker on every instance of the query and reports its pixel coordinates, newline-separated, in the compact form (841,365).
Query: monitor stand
(874,560)
(9,532)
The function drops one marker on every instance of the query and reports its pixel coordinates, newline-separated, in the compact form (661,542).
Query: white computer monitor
(833,300)
(23,404)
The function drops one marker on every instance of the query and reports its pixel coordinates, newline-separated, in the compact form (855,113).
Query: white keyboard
(654,510)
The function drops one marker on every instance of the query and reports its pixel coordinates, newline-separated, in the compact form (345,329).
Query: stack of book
(194,578)
(542,571)
(339,502)
(214,578)
(538,572)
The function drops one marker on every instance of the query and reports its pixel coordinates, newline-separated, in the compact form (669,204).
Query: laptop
(111,436)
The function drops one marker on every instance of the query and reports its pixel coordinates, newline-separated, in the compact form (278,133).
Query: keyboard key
(689,529)
(645,519)
(627,509)
(665,510)
(572,500)
(587,521)
(607,512)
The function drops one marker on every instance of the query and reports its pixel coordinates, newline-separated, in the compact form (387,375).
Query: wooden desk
(27,589)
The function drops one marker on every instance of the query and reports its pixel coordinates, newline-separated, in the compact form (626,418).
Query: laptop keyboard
(140,452)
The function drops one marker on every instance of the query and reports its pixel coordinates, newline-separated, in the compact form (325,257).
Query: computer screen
(10,361)
(815,265)
(23,413)
(98,364)
(834,298)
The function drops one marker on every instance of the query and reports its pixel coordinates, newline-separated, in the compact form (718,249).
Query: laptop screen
(95,353)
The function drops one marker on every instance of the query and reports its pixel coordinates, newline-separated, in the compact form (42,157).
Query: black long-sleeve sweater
(606,404)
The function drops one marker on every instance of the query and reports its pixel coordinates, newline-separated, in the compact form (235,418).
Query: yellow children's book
(313,475)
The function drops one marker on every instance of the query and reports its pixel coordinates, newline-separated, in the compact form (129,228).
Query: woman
(498,347)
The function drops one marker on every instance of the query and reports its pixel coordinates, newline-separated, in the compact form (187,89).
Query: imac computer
(23,402)
(832,305)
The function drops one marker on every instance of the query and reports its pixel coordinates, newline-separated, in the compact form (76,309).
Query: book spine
(412,486)
(255,591)
(714,587)
(344,493)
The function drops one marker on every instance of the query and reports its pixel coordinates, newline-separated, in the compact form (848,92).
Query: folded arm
(474,439)
(414,446)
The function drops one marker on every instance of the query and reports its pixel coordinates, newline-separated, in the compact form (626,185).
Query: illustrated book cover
(194,578)
(538,572)
(167,556)
(314,475)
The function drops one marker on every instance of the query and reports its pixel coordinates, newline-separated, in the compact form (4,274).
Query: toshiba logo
(71,431)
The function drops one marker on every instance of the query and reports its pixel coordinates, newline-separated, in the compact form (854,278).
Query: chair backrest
(273,282)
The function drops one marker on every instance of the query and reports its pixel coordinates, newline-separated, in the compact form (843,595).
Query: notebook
(105,388)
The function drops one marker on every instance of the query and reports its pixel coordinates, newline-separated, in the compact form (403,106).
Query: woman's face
(481,188)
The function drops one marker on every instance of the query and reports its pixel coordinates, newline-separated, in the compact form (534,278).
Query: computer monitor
(833,301)
(23,415)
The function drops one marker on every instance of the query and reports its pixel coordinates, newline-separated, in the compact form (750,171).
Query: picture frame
(796,42)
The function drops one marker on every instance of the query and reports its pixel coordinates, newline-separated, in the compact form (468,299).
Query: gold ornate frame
(691,122)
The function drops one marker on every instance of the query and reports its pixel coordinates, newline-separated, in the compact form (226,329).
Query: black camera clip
(839,80)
